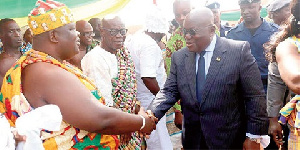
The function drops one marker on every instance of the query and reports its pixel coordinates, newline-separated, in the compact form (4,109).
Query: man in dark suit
(222,95)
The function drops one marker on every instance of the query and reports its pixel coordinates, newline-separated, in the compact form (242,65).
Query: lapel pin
(218,59)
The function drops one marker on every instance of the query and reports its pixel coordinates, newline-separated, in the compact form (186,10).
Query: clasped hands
(150,122)
(150,125)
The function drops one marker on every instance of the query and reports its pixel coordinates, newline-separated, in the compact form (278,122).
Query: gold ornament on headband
(49,15)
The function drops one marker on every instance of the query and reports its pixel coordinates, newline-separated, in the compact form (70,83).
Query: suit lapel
(217,61)
(190,67)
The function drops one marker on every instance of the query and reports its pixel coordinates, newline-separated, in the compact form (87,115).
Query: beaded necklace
(124,85)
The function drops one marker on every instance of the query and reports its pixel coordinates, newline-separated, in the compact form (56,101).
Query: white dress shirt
(264,139)
(101,66)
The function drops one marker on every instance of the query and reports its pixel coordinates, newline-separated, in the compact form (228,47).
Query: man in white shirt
(112,69)
(100,64)
(150,72)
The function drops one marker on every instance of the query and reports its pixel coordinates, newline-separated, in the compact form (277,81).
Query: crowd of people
(207,86)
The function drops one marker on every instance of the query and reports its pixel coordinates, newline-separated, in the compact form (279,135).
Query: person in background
(42,77)
(217,80)
(112,69)
(27,43)
(96,24)
(150,71)
(181,8)
(284,50)
(173,26)
(279,11)
(278,93)
(256,31)
(86,36)
(10,35)
(214,6)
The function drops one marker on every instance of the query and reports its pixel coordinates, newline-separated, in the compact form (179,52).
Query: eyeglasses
(193,32)
(114,32)
(87,34)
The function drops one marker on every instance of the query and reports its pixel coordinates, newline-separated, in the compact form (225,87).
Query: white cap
(155,21)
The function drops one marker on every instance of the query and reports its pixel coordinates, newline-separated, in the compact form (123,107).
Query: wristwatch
(256,140)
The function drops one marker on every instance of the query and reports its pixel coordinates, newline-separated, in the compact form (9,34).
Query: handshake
(149,122)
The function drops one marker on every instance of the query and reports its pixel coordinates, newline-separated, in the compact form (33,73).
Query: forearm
(275,96)
(117,122)
(151,84)
(163,102)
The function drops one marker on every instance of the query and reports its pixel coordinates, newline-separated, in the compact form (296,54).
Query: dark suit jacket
(233,100)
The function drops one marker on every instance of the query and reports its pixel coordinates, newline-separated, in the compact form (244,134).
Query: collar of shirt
(208,54)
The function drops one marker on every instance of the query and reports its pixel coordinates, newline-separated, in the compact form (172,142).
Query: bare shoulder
(40,79)
(6,63)
(285,49)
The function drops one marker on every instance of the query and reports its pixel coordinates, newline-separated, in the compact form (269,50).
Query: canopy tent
(82,9)
(86,9)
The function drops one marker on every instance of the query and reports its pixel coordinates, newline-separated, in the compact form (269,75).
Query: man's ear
(53,36)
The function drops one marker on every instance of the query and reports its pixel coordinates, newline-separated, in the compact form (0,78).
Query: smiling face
(86,32)
(11,35)
(250,12)
(113,33)
(198,29)
(68,41)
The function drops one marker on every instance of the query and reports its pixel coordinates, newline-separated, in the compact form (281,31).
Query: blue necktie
(200,77)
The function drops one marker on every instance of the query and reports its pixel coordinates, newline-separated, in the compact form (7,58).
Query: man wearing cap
(214,6)
(256,31)
(279,10)
(41,77)
(150,71)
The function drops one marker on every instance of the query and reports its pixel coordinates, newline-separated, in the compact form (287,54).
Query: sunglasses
(193,32)
(114,32)
(87,34)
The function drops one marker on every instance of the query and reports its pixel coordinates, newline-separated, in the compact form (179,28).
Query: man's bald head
(110,20)
(86,32)
(81,24)
(202,16)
